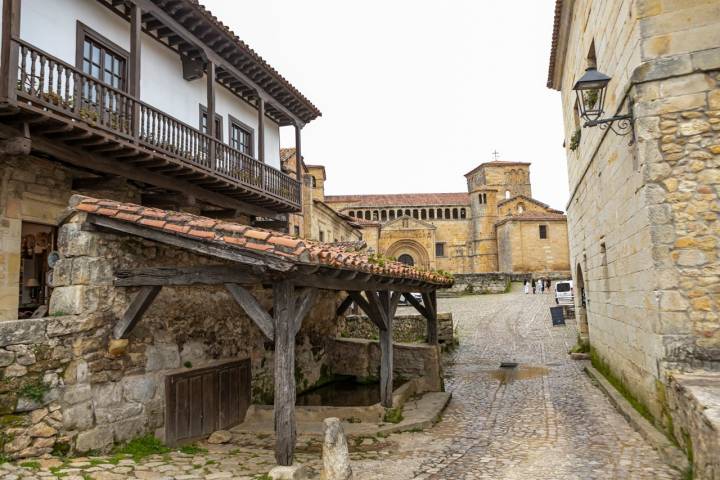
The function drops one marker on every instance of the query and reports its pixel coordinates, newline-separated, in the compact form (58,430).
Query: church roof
(402,199)
(496,163)
(532,217)
(529,199)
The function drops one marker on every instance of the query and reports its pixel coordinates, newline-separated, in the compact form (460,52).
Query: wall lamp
(591,89)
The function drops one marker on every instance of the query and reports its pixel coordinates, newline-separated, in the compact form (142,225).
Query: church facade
(496,226)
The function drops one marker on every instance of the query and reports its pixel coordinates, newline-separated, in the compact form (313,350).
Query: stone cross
(495,155)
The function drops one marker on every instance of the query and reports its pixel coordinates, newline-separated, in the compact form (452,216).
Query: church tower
(489,184)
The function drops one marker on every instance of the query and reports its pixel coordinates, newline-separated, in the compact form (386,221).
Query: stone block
(14,332)
(107,394)
(130,428)
(660,68)
(335,454)
(295,472)
(91,271)
(77,393)
(714,100)
(670,105)
(98,438)
(706,59)
(139,388)
(78,299)
(672,300)
(59,326)
(78,417)
(693,127)
(116,413)
(6,357)
(162,357)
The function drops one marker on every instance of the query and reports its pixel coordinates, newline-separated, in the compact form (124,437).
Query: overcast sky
(415,93)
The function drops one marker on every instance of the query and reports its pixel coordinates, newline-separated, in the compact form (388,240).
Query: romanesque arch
(412,248)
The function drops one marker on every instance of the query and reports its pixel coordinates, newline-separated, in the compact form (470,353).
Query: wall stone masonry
(407,328)
(65,385)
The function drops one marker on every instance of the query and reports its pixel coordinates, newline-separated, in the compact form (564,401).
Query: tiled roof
(245,48)
(286,154)
(532,216)
(401,199)
(529,199)
(245,238)
(554,43)
(497,163)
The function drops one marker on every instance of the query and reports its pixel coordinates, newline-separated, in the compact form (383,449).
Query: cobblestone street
(549,422)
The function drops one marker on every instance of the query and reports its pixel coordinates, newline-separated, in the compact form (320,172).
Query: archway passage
(406,259)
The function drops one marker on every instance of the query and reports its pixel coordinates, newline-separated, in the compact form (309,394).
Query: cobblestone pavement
(547,421)
(544,421)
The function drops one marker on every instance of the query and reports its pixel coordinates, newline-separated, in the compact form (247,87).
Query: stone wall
(522,250)
(361,358)
(478,283)
(407,328)
(96,391)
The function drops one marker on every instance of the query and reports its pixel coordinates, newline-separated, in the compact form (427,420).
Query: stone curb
(668,452)
(421,423)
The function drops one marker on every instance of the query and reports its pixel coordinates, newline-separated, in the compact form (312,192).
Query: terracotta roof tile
(343,255)
(401,199)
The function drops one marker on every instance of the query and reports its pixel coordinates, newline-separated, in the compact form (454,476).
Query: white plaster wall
(51,25)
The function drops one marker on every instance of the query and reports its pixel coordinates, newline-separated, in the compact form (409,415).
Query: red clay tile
(235,240)
(231,227)
(152,223)
(128,217)
(257,234)
(202,223)
(285,242)
(179,218)
(176,228)
(259,246)
(108,212)
(86,207)
(129,208)
(202,233)
(154,212)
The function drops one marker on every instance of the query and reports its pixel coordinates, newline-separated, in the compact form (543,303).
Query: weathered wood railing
(50,83)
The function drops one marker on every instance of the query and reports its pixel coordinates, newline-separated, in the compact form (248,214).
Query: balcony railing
(46,81)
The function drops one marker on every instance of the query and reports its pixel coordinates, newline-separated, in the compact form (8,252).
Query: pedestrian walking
(527,287)
(549,285)
(533,285)
(542,285)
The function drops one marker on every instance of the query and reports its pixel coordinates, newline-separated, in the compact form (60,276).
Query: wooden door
(198,402)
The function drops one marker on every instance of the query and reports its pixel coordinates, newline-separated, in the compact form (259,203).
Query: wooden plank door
(198,402)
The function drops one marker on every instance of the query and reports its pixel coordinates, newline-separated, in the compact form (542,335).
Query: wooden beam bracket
(254,310)
(135,311)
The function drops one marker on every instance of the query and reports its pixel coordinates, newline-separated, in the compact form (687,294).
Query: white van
(564,292)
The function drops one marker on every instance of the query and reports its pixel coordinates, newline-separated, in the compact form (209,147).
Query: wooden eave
(188,28)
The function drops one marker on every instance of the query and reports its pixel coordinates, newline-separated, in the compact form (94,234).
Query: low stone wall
(361,358)
(65,385)
(408,328)
(494,282)
(693,402)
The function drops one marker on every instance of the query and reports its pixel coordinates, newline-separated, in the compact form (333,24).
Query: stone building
(643,211)
(496,226)
(317,220)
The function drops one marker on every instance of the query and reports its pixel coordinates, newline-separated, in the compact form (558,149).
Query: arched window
(399,213)
(351,213)
(423,214)
(415,213)
(392,214)
(484,197)
(406,259)
(507,194)
(481,198)
(462,213)
(375,216)
(407,212)
(455,213)
(431,214)
(313,181)
(520,208)
(367,214)
(447,213)
(439,213)
(383,215)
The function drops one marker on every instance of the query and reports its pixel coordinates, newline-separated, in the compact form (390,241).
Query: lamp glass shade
(592,80)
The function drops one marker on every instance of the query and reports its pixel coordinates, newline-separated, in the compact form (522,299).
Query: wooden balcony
(65,108)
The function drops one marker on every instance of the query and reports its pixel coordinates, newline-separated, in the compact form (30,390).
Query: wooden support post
(261,128)
(9,54)
(210,90)
(344,306)
(289,308)
(134,65)
(430,301)
(298,158)
(136,310)
(380,307)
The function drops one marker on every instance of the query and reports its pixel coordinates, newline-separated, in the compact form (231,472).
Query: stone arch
(412,248)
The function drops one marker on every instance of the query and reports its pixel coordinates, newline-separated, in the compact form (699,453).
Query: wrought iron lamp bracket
(619,124)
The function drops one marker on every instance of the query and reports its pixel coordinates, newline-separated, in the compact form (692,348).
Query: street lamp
(591,91)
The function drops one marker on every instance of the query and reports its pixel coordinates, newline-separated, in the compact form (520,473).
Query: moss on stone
(393,415)
(604,368)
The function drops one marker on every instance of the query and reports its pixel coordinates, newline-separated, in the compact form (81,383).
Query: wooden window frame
(203,111)
(82,32)
(232,121)
(543,229)
(437,244)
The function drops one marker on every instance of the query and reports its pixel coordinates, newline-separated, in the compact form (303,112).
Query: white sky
(415,93)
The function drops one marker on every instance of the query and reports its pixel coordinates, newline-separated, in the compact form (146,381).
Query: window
(463,213)
(507,194)
(406,259)
(218,123)
(241,136)
(101,59)
(455,213)
(322,236)
(296,230)
(439,249)
(543,232)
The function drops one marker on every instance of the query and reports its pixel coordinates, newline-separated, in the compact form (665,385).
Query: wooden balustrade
(50,83)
